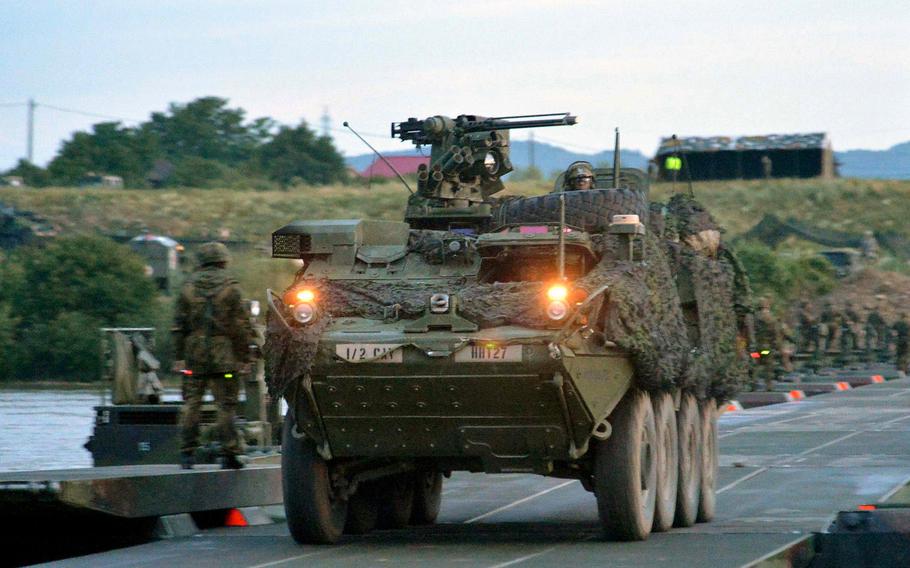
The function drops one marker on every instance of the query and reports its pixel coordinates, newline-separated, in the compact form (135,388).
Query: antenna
(616,160)
(381,157)
(561,260)
(326,121)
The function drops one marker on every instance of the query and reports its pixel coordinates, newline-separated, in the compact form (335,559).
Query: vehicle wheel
(625,470)
(707,501)
(667,461)
(427,497)
(314,515)
(688,427)
(396,501)
(363,510)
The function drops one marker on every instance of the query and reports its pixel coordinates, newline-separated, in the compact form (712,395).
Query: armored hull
(501,399)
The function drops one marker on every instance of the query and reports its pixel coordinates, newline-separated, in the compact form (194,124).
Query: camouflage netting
(289,352)
(716,368)
(642,312)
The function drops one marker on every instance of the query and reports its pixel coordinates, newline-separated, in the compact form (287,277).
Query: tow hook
(555,353)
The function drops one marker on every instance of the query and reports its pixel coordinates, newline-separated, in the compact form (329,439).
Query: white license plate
(479,353)
(369,352)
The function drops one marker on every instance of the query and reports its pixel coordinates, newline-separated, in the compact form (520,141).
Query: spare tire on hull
(589,210)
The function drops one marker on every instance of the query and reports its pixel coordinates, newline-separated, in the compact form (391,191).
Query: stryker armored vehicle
(581,334)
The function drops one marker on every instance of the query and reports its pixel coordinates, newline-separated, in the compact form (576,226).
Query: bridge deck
(785,471)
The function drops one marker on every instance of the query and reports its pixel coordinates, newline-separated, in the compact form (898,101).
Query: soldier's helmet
(212,253)
(579,175)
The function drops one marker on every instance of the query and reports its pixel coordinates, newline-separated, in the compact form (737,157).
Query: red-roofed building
(404,164)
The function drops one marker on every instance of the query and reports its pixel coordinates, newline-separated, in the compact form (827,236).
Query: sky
(652,68)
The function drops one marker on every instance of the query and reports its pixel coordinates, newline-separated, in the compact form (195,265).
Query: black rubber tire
(313,516)
(590,210)
(707,501)
(625,470)
(688,427)
(396,501)
(667,461)
(427,497)
(363,510)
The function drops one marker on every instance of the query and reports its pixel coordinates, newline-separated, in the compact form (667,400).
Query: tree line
(203,143)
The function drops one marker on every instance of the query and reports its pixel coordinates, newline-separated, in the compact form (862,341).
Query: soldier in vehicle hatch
(769,343)
(213,337)
(579,176)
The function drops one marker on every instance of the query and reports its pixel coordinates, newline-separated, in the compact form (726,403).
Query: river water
(45,429)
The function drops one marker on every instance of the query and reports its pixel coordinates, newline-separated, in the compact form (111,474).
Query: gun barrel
(423,131)
(525,121)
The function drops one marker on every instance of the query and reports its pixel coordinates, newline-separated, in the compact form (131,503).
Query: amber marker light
(305,296)
(557,292)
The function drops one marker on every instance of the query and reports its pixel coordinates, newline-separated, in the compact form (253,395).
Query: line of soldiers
(833,337)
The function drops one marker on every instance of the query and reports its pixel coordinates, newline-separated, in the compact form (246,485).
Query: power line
(86,113)
(12,104)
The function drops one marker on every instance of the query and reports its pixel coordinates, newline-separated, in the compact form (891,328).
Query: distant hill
(547,158)
(893,163)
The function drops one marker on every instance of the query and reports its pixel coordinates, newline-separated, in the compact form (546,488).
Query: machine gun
(469,154)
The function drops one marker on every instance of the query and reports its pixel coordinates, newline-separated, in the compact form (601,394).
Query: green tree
(32,175)
(299,153)
(109,148)
(207,128)
(8,325)
(62,293)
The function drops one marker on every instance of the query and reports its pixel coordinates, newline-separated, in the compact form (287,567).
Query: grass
(842,204)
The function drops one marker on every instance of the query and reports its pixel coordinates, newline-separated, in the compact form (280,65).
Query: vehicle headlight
(304,312)
(557,292)
(254,308)
(557,309)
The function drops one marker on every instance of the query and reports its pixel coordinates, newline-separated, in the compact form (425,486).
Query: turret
(468,157)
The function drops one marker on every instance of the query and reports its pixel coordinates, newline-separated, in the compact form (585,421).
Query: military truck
(502,337)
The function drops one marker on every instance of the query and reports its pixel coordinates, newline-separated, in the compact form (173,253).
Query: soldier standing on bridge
(850,324)
(830,321)
(213,339)
(875,325)
(902,342)
(769,342)
(807,325)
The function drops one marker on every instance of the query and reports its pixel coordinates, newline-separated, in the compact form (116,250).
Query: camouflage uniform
(876,334)
(213,335)
(830,320)
(769,343)
(902,342)
(807,325)
(849,336)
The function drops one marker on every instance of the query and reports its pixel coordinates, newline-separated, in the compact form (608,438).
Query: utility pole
(31,131)
(326,122)
(531,150)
